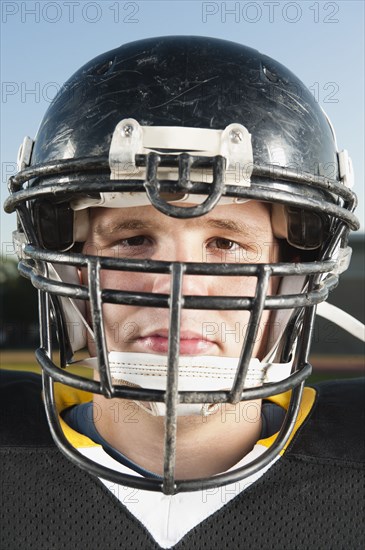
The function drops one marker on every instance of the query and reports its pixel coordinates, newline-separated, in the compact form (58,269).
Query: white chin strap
(201,373)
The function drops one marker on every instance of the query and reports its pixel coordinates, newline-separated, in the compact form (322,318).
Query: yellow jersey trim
(283,399)
(66,396)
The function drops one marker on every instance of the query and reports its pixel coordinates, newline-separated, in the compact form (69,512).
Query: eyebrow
(234,226)
(103,228)
(216,223)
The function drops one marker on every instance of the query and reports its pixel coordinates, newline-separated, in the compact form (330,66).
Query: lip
(191,343)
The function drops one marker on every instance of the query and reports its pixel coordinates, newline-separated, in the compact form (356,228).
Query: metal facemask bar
(163,162)
(63,180)
(176,301)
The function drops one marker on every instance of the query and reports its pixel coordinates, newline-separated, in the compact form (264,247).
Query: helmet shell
(194,82)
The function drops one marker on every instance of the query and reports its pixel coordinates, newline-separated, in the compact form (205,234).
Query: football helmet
(161,122)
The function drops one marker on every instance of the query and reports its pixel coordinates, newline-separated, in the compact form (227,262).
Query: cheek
(119,280)
(116,317)
(236,286)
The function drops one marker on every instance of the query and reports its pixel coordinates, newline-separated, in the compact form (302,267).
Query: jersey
(312,497)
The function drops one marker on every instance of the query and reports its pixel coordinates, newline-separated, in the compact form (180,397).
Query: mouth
(191,343)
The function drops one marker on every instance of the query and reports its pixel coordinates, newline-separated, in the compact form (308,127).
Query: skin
(230,233)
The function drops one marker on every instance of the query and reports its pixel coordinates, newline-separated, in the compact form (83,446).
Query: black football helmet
(154,122)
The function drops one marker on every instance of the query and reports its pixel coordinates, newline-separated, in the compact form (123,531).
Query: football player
(184,212)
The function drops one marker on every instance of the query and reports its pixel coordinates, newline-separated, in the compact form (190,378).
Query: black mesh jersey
(313,497)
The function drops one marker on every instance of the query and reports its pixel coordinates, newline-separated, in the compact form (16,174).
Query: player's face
(231,234)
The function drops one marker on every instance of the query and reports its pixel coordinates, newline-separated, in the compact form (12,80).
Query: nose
(182,247)
(192,285)
(186,251)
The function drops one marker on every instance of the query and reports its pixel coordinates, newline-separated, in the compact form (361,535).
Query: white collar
(168,518)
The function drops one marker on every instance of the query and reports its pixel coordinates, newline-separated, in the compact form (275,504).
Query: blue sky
(44,42)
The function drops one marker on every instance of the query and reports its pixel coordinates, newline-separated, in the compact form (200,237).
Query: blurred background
(43,43)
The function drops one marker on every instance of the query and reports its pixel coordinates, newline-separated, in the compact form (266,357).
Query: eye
(137,245)
(138,240)
(223,244)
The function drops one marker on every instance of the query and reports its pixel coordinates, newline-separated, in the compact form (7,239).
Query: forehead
(250,217)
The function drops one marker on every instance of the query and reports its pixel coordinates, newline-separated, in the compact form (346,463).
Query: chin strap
(201,373)
(342,319)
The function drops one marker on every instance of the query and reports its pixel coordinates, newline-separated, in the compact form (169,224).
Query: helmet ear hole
(54,224)
(305,229)
(301,229)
